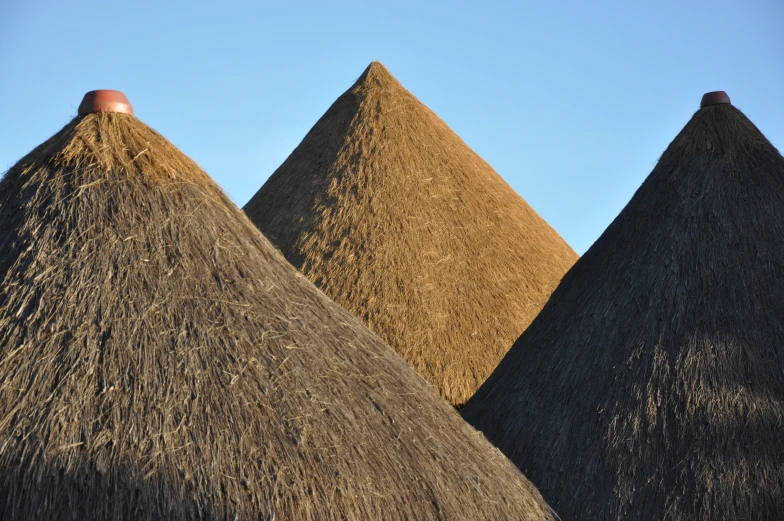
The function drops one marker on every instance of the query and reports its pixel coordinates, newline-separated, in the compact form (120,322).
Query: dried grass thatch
(651,386)
(161,360)
(392,215)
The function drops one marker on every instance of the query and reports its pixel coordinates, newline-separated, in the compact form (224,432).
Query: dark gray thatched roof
(159,359)
(392,215)
(651,386)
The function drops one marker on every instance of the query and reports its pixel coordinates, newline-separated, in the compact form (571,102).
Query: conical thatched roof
(392,215)
(161,360)
(651,386)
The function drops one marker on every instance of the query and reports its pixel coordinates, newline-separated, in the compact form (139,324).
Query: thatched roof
(161,360)
(392,215)
(651,386)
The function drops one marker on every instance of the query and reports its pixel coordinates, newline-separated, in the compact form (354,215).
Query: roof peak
(377,67)
(716,97)
(377,73)
(105,100)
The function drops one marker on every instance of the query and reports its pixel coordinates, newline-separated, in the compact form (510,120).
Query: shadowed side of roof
(651,386)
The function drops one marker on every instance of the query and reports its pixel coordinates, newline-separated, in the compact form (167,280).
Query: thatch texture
(651,386)
(392,215)
(159,359)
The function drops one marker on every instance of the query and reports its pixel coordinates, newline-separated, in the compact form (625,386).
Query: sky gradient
(571,102)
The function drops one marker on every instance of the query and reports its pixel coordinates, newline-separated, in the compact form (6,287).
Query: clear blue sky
(571,102)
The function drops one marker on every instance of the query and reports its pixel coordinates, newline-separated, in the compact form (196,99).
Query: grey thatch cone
(159,359)
(392,215)
(651,386)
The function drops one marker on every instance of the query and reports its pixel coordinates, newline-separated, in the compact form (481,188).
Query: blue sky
(571,102)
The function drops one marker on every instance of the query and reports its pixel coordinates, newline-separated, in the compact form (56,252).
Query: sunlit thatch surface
(392,215)
(159,359)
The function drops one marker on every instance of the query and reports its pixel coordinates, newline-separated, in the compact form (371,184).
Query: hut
(651,386)
(161,360)
(393,216)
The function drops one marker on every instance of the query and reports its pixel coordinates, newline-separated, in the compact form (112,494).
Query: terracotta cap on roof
(714,98)
(105,101)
